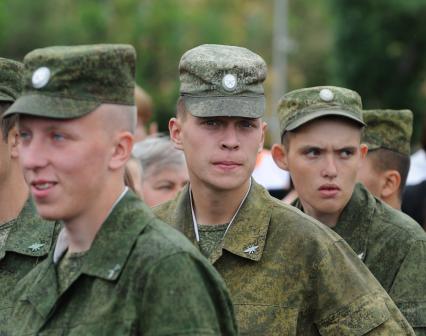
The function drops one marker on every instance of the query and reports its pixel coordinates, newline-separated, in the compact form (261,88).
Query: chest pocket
(254,319)
(104,328)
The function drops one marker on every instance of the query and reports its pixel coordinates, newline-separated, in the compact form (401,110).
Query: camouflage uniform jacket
(393,247)
(140,277)
(290,275)
(29,241)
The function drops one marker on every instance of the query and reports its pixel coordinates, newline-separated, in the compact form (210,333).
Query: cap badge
(40,77)
(229,82)
(326,95)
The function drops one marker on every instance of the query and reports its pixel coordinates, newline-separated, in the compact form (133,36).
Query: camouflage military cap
(221,80)
(388,129)
(70,81)
(298,107)
(10,79)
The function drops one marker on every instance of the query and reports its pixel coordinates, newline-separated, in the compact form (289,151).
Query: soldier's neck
(82,229)
(13,195)
(329,219)
(215,206)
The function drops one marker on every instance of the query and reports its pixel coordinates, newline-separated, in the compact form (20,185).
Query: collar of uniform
(247,235)
(114,241)
(355,219)
(248,230)
(31,235)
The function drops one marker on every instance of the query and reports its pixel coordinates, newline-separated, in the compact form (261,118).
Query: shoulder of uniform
(402,225)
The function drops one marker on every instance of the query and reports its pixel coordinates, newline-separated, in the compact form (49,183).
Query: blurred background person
(414,197)
(164,170)
(144,113)
(133,175)
(384,170)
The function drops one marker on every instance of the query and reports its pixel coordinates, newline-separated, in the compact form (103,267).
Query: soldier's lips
(329,190)
(227,165)
(41,188)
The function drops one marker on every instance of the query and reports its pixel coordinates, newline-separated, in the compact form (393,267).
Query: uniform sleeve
(350,301)
(183,295)
(409,287)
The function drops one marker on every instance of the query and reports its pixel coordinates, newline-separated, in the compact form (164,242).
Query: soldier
(321,148)
(287,273)
(115,268)
(384,171)
(25,238)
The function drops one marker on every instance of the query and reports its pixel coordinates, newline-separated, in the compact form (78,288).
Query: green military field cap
(388,129)
(298,107)
(67,82)
(10,79)
(221,80)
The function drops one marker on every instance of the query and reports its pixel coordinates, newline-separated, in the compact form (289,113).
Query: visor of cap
(5,97)
(51,107)
(231,106)
(339,112)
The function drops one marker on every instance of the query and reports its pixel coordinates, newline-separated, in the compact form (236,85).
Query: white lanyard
(194,220)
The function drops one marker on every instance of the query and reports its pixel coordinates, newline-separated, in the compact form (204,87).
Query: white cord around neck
(194,219)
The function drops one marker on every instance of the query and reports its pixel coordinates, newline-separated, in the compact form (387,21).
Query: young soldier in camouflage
(25,238)
(322,150)
(287,273)
(115,269)
(384,171)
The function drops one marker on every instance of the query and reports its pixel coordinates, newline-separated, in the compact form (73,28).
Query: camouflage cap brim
(52,107)
(232,106)
(4,97)
(319,114)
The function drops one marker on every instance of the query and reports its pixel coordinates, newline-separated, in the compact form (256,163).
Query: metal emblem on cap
(229,82)
(326,95)
(40,77)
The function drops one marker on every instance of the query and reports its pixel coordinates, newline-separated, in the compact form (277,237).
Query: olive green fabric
(388,129)
(29,240)
(140,277)
(10,79)
(393,247)
(211,237)
(298,107)
(290,275)
(68,267)
(71,81)
(222,80)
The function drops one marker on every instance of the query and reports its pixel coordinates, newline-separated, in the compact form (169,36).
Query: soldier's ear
(392,181)
(364,150)
(122,150)
(13,141)
(264,126)
(280,156)
(175,129)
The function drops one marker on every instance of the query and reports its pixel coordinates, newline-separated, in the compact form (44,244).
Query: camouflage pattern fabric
(210,237)
(388,129)
(290,275)
(29,241)
(298,107)
(393,247)
(10,79)
(69,82)
(140,277)
(221,80)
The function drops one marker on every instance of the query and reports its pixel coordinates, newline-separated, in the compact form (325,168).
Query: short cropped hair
(385,159)
(6,123)
(158,153)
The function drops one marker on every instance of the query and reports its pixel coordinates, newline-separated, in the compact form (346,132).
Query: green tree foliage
(380,51)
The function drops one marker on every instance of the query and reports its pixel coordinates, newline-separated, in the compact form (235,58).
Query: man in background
(384,171)
(321,147)
(25,238)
